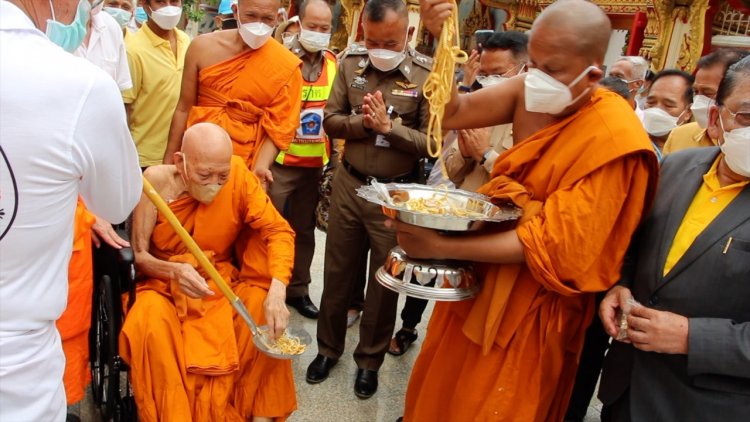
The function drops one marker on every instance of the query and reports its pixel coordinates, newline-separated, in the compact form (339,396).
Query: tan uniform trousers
(353,225)
(294,193)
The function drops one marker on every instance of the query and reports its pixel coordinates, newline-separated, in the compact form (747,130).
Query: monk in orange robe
(585,178)
(191,357)
(248,84)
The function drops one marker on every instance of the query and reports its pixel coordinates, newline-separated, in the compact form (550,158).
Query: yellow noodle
(437,88)
(287,344)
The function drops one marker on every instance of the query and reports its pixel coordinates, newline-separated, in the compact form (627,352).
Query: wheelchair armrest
(125,256)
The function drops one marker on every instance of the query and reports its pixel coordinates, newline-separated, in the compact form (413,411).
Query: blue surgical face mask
(140,15)
(121,16)
(70,36)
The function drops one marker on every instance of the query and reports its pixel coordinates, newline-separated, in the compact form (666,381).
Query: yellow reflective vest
(311,147)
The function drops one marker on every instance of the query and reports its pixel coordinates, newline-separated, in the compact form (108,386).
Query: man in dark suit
(687,352)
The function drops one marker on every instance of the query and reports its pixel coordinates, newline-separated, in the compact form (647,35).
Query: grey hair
(640,66)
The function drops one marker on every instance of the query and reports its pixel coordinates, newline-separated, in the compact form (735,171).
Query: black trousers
(595,346)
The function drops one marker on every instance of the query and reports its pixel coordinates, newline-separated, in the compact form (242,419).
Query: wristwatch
(485,156)
(463,88)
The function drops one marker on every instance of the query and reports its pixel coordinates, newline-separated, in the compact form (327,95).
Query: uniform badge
(362,63)
(359,82)
(411,93)
(296,51)
(407,69)
(406,85)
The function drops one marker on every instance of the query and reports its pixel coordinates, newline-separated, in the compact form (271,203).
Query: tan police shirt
(402,89)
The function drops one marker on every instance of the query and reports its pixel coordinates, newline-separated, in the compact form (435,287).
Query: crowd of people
(631,259)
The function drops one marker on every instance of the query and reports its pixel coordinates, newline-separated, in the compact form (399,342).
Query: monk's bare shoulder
(162,178)
(217,46)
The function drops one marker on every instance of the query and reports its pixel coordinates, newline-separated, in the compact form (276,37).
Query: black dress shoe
(366,384)
(319,368)
(304,306)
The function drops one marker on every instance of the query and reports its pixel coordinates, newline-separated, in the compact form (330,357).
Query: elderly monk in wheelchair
(191,357)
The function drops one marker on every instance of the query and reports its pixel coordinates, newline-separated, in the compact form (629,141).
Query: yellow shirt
(689,135)
(708,203)
(157,78)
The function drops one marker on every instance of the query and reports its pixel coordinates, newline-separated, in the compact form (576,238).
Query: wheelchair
(114,275)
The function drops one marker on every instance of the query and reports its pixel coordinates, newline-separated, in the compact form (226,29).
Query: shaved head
(580,24)
(207,142)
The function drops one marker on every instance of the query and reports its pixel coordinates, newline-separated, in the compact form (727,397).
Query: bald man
(247,83)
(191,357)
(583,171)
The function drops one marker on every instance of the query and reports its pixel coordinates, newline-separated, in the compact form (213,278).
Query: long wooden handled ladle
(260,338)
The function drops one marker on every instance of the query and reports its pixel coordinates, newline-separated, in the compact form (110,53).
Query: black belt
(410,177)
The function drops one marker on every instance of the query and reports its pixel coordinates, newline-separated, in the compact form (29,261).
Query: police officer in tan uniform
(378,107)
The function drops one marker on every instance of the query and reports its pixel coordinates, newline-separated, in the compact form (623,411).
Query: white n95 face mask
(545,94)
(313,41)
(700,106)
(736,149)
(167,17)
(489,80)
(387,60)
(658,122)
(255,34)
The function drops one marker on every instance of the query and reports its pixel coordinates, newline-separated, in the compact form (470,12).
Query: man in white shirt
(62,132)
(104,46)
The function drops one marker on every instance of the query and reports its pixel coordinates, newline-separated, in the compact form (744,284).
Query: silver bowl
(446,281)
(485,210)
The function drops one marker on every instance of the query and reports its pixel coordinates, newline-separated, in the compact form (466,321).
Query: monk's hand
(102,231)
(191,283)
(277,314)
(376,114)
(614,303)
(658,331)
(471,68)
(475,142)
(418,242)
(434,13)
(265,176)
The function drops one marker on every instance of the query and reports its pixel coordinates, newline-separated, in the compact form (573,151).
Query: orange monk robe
(511,353)
(193,359)
(253,95)
(75,322)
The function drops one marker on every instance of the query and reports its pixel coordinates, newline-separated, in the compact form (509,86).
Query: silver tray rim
(422,292)
(506,212)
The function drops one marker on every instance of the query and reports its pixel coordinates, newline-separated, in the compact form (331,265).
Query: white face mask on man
(658,122)
(313,41)
(545,94)
(700,106)
(167,17)
(255,34)
(387,60)
(736,149)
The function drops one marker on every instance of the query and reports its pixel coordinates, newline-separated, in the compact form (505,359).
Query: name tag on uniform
(411,93)
(380,141)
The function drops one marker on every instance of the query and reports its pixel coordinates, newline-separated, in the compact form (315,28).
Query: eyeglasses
(738,118)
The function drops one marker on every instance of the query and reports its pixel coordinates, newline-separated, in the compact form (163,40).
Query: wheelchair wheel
(105,377)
